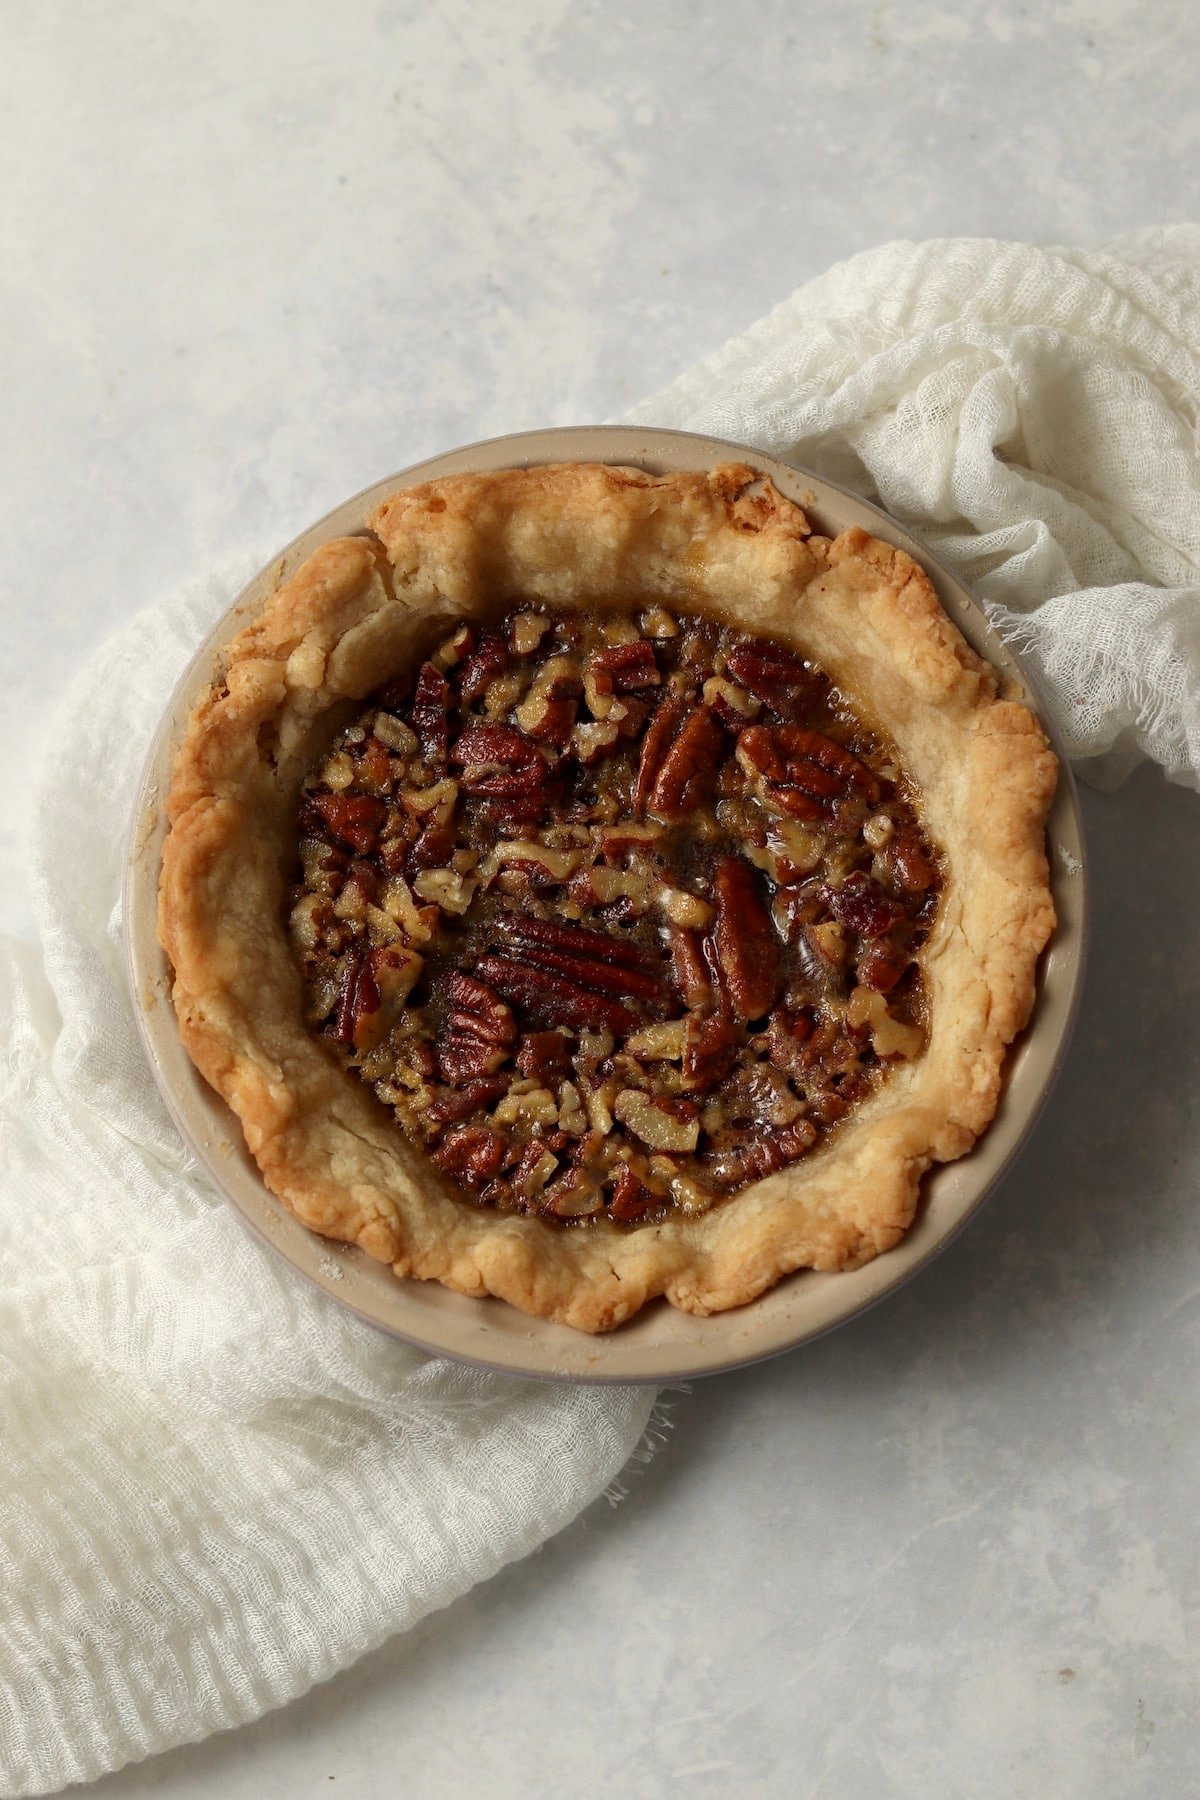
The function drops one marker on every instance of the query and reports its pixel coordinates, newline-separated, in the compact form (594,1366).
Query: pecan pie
(595,885)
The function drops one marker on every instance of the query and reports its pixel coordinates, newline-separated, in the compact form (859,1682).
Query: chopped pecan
(732,704)
(882,963)
(662,1123)
(630,1198)
(829,1051)
(548,711)
(553,722)
(363,878)
(628,716)
(512,814)
(747,949)
(774,676)
(688,771)
(908,864)
(554,999)
(472,1153)
(355,818)
(486,661)
(429,714)
(591,743)
(433,848)
(863,905)
(518,789)
(533,1169)
(375,768)
(784,1041)
(709,1047)
(457,1103)
(544,1056)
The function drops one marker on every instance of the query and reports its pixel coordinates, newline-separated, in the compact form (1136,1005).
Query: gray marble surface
(257,257)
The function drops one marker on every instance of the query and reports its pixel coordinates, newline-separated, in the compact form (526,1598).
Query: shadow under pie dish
(735,796)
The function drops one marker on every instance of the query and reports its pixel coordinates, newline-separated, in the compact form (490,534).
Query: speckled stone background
(256,257)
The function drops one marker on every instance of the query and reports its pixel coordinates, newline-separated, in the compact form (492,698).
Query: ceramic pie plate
(660,1343)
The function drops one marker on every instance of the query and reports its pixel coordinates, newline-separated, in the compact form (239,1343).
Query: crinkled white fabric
(217,1486)
(1032,414)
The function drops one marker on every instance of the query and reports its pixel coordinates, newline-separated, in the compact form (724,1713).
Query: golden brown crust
(572,535)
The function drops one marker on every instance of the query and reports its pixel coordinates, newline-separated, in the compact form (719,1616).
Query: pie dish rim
(515,1342)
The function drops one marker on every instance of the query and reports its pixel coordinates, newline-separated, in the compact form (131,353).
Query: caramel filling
(615,913)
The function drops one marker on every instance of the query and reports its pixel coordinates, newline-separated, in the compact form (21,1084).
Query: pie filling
(616,913)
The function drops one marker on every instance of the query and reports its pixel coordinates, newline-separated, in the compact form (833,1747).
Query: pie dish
(572,539)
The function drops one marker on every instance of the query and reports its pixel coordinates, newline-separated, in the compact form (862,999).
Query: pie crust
(573,536)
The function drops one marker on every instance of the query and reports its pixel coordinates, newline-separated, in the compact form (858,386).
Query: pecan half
(689,971)
(472,1153)
(429,714)
(747,949)
(662,728)
(355,818)
(553,999)
(688,772)
(626,668)
(465,1058)
(487,745)
(772,675)
(478,1011)
(806,772)
(761,1156)
(863,905)
(629,984)
(575,940)
(785,1038)
(489,659)
(479,1030)
(544,1056)
(454,1104)
(358,998)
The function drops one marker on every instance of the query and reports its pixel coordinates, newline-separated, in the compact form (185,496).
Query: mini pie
(595,885)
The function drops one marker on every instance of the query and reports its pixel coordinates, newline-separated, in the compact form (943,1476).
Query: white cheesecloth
(218,1487)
